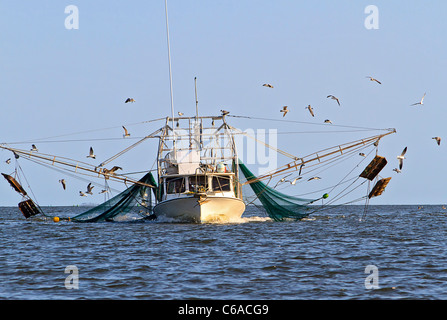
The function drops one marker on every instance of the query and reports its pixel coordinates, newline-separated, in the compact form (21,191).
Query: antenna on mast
(170,71)
(197,101)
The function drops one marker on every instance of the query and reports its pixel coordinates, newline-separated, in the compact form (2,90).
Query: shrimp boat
(198,173)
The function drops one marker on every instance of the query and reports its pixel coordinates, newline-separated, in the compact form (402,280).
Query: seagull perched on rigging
(334,98)
(268,85)
(372,79)
(91,154)
(34,148)
(129,100)
(310,110)
(401,158)
(62,181)
(420,102)
(284,110)
(438,140)
(224,112)
(126,133)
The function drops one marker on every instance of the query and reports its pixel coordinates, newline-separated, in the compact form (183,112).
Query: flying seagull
(314,178)
(63,183)
(112,171)
(328,121)
(8,161)
(293,182)
(129,100)
(103,191)
(310,110)
(282,180)
(372,79)
(34,148)
(285,110)
(397,170)
(438,140)
(180,113)
(334,98)
(420,102)
(91,154)
(362,154)
(401,158)
(268,85)
(90,188)
(82,194)
(126,133)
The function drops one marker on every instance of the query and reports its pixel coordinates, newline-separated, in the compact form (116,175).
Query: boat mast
(170,72)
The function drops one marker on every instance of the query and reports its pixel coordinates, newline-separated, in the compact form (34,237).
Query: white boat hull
(196,210)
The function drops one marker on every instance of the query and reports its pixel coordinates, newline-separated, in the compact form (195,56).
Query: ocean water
(395,252)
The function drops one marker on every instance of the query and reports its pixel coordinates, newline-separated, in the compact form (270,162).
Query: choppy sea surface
(395,252)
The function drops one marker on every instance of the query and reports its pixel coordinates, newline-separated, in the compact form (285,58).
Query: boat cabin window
(221,183)
(175,185)
(198,183)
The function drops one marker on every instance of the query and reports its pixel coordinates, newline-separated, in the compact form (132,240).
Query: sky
(69,84)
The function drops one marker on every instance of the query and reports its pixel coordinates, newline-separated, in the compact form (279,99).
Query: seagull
(285,110)
(91,154)
(401,158)
(129,100)
(224,112)
(334,98)
(397,170)
(267,85)
(90,188)
(63,183)
(438,140)
(420,102)
(8,161)
(328,121)
(310,110)
(103,191)
(282,180)
(293,182)
(82,194)
(314,178)
(180,113)
(126,133)
(372,79)
(112,171)
(362,154)
(34,148)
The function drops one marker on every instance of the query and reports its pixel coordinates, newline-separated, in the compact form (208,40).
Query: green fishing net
(133,203)
(277,205)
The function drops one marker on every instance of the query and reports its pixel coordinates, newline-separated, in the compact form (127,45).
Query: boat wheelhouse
(198,171)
